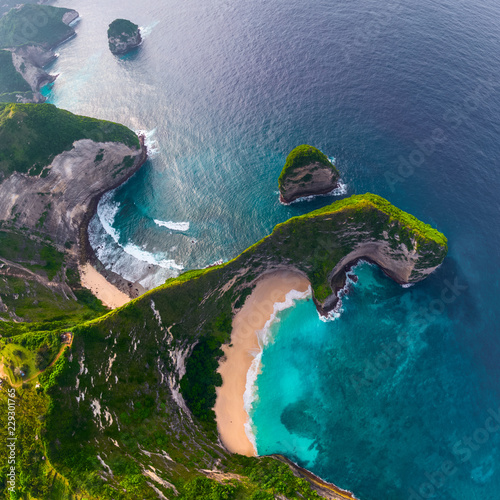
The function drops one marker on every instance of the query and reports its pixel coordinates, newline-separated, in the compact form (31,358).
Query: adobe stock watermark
(11,439)
(463,450)
(390,352)
(454,118)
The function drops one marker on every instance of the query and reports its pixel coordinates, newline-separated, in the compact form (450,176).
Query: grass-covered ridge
(361,202)
(189,318)
(34,24)
(302,156)
(115,395)
(32,135)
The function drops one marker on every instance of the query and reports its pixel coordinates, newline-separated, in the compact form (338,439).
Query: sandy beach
(257,311)
(101,288)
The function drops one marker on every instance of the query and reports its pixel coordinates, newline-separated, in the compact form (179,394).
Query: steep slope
(31,32)
(135,394)
(54,166)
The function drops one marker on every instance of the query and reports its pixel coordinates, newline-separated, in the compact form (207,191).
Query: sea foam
(175,226)
(107,210)
(337,311)
(263,337)
(150,141)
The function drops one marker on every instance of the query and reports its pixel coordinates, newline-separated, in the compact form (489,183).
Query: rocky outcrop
(307,172)
(25,61)
(57,201)
(123,36)
(29,59)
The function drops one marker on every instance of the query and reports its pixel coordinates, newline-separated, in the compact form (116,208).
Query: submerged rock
(123,36)
(307,172)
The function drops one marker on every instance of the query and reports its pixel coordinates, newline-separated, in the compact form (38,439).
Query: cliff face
(123,36)
(57,203)
(310,180)
(307,172)
(31,56)
(32,72)
(164,346)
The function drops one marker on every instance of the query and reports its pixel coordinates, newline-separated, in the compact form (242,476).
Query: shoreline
(86,254)
(106,292)
(244,351)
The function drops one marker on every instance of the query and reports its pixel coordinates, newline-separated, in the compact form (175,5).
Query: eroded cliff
(307,172)
(123,36)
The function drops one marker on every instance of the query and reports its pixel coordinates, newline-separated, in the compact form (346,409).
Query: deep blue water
(406,97)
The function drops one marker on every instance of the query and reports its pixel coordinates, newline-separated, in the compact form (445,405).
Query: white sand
(101,288)
(257,311)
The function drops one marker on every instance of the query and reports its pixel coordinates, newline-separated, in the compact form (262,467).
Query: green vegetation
(123,35)
(32,135)
(34,24)
(116,394)
(12,83)
(25,289)
(198,386)
(122,28)
(302,156)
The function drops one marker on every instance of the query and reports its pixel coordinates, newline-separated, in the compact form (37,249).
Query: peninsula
(307,172)
(135,391)
(28,35)
(47,197)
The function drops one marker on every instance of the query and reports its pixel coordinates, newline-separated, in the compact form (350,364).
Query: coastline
(107,293)
(235,368)
(85,250)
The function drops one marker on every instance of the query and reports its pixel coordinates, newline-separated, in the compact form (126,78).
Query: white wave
(75,22)
(106,212)
(407,285)
(263,337)
(151,258)
(332,159)
(175,226)
(340,190)
(146,31)
(150,141)
(337,311)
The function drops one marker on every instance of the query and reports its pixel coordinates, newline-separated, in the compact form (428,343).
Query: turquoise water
(406,97)
(376,386)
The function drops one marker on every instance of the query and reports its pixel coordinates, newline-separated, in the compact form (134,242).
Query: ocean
(398,397)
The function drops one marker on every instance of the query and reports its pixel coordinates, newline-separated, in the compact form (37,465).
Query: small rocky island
(307,172)
(123,36)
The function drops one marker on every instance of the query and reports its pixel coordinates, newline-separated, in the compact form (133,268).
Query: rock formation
(33,49)
(123,36)
(307,172)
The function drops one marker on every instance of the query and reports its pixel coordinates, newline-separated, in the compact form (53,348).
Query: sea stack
(123,36)
(307,172)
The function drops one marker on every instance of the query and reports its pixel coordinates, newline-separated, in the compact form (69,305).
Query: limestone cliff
(123,36)
(164,348)
(307,172)
(33,48)
(57,203)
(54,166)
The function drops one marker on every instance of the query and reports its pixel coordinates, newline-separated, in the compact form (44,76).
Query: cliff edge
(30,33)
(54,167)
